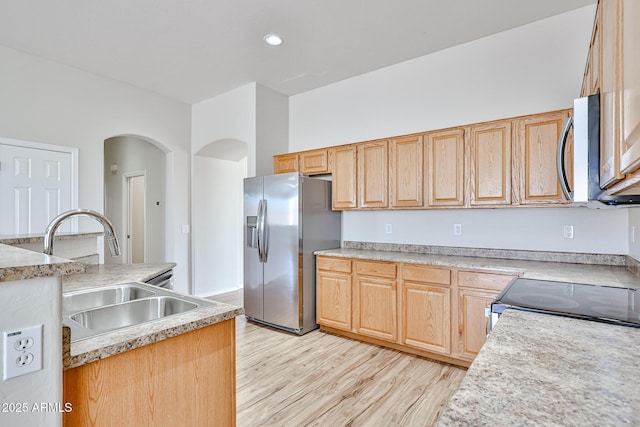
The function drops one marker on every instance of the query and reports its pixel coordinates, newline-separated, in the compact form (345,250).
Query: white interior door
(35,186)
(136,219)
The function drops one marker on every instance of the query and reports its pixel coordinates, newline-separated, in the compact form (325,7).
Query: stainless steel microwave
(586,157)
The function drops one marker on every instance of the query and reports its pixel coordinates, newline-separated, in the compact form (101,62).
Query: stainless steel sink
(100,310)
(131,313)
(92,298)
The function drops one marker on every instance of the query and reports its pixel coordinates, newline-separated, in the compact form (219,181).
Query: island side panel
(189,379)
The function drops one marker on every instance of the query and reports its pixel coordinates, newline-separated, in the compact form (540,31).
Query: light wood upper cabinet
(333,292)
(490,164)
(376,303)
(630,85)
(535,158)
(373,174)
(406,172)
(285,163)
(445,170)
(344,182)
(426,308)
(314,162)
(591,82)
(609,29)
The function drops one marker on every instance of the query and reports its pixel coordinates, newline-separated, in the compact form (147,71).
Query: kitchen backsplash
(569,257)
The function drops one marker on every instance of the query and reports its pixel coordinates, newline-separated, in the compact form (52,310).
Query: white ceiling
(193,50)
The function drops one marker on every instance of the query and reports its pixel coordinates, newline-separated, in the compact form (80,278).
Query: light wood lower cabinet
(426,308)
(333,293)
(187,380)
(472,320)
(376,301)
(476,291)
(434,312)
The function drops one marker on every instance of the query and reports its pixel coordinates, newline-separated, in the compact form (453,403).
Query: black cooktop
(599,303)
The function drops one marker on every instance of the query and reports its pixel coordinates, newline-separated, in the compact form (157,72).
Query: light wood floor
(320,379)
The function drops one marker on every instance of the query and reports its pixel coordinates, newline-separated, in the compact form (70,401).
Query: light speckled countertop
(87,350)
(19,239)
(563,272)
(23,264)
(537,369)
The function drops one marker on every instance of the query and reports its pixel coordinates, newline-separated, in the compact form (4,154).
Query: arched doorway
(135,195)
(217,196)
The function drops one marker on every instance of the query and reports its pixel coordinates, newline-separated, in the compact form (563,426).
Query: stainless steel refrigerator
(286,218)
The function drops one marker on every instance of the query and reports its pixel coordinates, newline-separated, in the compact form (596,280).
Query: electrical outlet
(388,229)
(457,229)
(567,232)
(22,351)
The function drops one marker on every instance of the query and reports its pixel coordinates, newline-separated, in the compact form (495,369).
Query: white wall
(217,225)
(28,303)
(272,128)
(634,232)
(522,228)
(217,199)
(529,69)
(50,103)
(231,115)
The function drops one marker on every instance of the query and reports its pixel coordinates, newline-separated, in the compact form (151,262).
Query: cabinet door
(314,162)
(630,104)
(426,317)
(472,320)
(406,172)
(333,294)
(285,163)
(343,184)
(377,307)
(445,170)
(373,174)
(609,92)
(535,168)
(490,151)
(594,59)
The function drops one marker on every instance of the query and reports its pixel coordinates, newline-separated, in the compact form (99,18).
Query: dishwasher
(162,280)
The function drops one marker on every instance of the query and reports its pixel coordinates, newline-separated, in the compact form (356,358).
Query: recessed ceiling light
(273,40)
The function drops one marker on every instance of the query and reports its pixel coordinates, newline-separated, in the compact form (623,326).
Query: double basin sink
(95,311)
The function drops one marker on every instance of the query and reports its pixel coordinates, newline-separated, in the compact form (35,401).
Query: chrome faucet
(109,231)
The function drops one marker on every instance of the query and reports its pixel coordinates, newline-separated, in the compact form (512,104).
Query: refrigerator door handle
(259,230)
(262,220)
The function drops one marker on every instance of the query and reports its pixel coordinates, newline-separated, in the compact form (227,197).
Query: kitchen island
(538,369)
(178,370)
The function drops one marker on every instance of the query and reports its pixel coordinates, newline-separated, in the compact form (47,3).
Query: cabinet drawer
(377,269)
(470,279)
(423,273)
(342,265)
